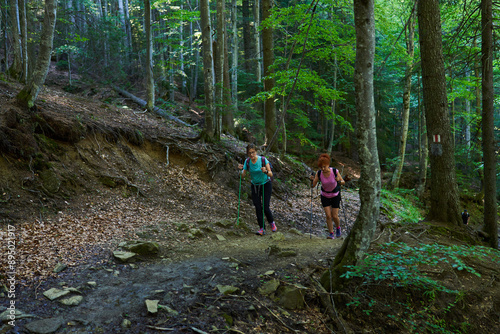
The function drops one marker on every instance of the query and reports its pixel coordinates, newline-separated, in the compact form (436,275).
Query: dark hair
(324,159)
(251,147)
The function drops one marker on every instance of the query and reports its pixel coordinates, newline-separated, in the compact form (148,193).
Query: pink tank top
(328,184)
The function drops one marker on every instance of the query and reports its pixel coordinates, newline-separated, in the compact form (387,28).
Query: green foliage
(401,204)
(399,265)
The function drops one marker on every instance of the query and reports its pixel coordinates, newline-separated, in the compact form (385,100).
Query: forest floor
(87,171)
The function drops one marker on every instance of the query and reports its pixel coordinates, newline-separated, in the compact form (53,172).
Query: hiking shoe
(261,232)
(331,236)
(273,227)
(338,233)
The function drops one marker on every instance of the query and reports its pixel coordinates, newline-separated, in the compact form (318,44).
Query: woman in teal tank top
(261,186)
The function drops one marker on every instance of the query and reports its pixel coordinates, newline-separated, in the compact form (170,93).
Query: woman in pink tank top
(331,180)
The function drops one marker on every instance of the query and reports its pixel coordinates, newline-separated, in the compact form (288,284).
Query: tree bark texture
(16,67)
(490,157)
(28,95)
(357,243)
(269,104)
(208,69)
(444,189)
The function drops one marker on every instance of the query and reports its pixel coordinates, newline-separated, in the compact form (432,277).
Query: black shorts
(334,202)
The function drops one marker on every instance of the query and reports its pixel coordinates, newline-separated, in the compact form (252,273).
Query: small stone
(45,326)
(152,306)
(126,323)
(227,289)
(269,287)
(220,237)
(55,293)
(92,284)
(59,267)
(72,301)
(124,256)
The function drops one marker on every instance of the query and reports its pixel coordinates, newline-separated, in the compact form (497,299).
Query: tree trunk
(150,83)
(410,49)
(24,40)
(28,95)
(234,53)
(128,28)
(208,69)
(357,243)
(228,120)
(424,152)
(248,52)
(16,67)
(219,65)
(257,64)
(444,190)
(269,105)
(334,104)
(490,205)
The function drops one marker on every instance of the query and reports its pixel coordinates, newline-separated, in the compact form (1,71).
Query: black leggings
(256,198)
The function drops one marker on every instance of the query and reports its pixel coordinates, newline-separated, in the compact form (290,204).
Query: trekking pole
(239,201)
(263,208)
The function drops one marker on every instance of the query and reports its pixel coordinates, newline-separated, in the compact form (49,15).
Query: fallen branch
(160,328)
(143,104)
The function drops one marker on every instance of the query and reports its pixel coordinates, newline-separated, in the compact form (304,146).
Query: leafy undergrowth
(422,278)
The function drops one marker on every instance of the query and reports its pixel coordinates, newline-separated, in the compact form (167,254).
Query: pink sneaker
(273,227)
(261,232)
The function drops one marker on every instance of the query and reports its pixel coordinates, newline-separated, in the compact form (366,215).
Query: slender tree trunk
(16,67)
(410,49)
(467,122)
(128,28)
(28,95)
(444,189)
(219,72)
(269,104)
(234,53)
(121,15)
(24,40)
(150,83)
(257,64)
(228,121)
(358,241)
(6,39)
(208,69)
(334,104)
(490,158)
(248,53)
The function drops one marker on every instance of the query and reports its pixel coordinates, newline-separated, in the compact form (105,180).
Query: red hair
(324,160)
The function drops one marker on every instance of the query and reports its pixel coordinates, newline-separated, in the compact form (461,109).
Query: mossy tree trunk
(28,95)
(444,188)
(357,243)
(490,203)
